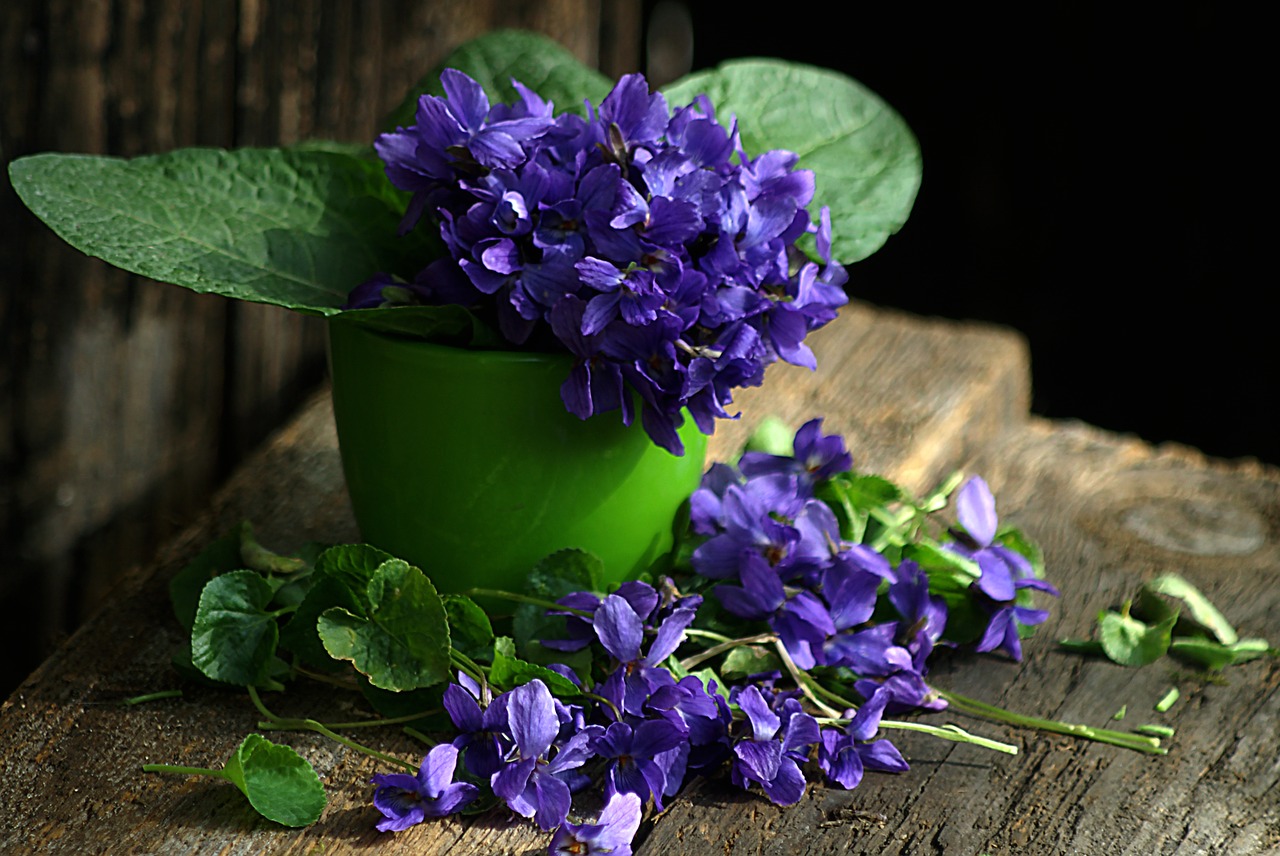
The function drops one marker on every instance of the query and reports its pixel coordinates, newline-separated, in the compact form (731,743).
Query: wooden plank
(1110,512)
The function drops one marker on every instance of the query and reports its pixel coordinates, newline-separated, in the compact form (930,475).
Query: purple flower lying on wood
(777,746)
(844,753)
(406,800)
(482,733)
(1004,571)
(611,833)
(532,779)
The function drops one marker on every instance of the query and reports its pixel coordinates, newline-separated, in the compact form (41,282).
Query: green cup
(466,464)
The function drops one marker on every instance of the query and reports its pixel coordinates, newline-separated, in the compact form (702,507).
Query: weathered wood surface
(915,399)
(123,402)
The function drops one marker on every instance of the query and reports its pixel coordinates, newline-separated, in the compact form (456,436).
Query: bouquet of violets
(642,240)
(675,244)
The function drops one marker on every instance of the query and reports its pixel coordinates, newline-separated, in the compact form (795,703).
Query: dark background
(1099,178)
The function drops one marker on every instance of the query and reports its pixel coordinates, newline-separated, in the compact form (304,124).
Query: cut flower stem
(277,723)
(524,598)
(1123,739)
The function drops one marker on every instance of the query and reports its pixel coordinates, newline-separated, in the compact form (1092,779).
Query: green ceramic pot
(466,463)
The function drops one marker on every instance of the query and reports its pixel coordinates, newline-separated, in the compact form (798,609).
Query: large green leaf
(403,643)
(292,227)
(865,160)
(188,584)
(494,59)
(509,671)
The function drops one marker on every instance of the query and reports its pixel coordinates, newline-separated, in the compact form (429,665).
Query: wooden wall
(122,401)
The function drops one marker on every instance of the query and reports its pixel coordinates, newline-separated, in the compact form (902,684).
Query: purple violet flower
(482,733)
(621,630)
(635,757)
(817,457)
(532,780)
(844,753)
(1005,572)
(778,745)
(611,833)
(406,800)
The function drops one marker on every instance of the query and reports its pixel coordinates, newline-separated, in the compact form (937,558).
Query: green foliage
(1130,642)
(234,636)
(291,227)
(450,325)
(509,671)
(340,579)
(403,641)
(854,497)
(557,575)
(470,631)
(749,660)
(1168,615)
(278,782)
(1199,617)
(219,557)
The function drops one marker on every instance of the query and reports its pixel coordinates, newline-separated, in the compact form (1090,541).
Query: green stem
(706,634)
(803,680)
(617,714)
(891,523)
(375,723)
(257,702)
(143,699)
(277,723)
(840,700)
(688,663)
(183,771)
(937,500)
(1124,739)
(466,664)
(418,735)
(318,728)
(326,679)
(950,732)
(259,558)
(524,598)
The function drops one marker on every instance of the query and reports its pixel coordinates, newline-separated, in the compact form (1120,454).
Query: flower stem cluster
(642,240)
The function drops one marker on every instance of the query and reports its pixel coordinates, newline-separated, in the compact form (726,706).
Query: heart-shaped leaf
(234,636)
(403,643)
(278,782)
(494,59)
